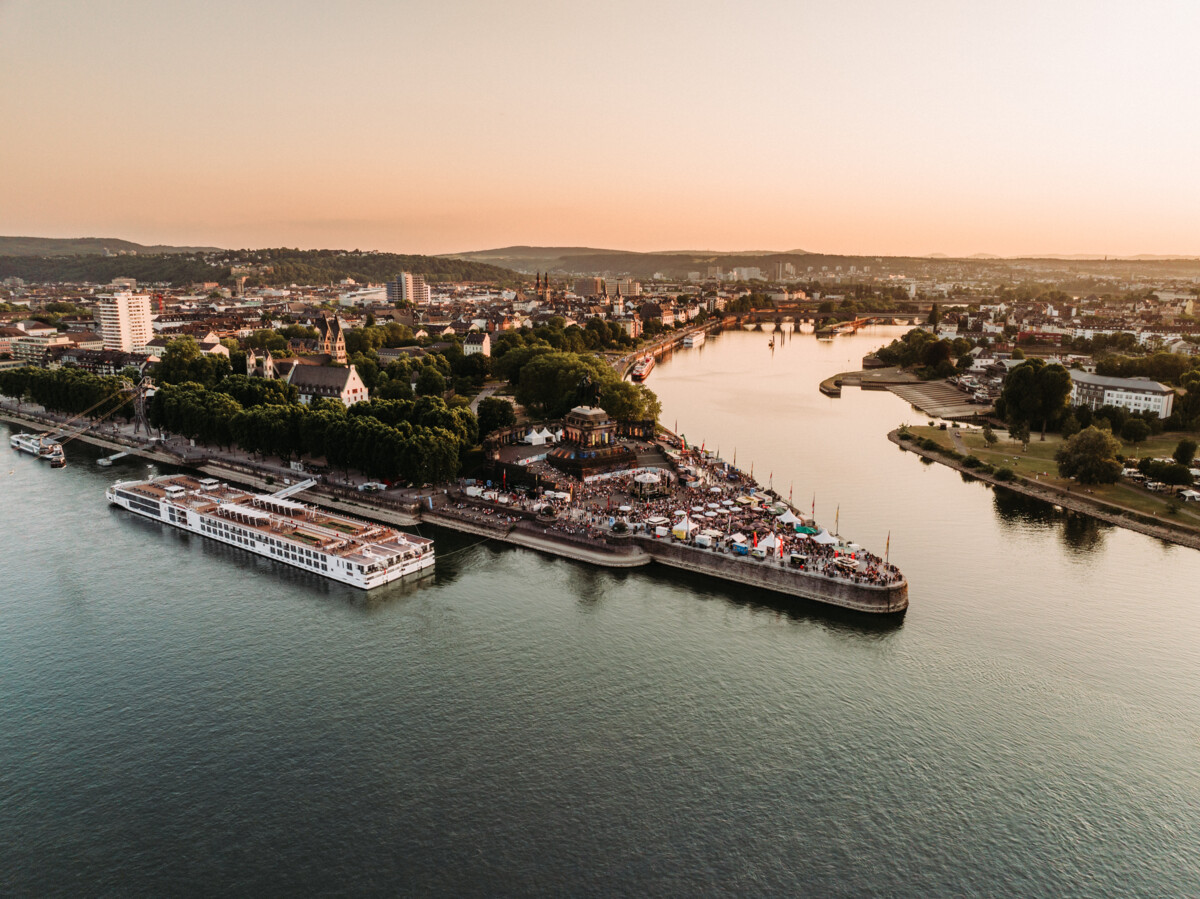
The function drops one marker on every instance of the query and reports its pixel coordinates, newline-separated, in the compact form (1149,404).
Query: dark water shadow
(1079,532)
(796,609)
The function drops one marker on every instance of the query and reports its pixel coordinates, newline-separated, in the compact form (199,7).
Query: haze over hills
(87,246)
(676,264)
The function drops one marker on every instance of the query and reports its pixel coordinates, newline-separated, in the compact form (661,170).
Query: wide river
(179,718)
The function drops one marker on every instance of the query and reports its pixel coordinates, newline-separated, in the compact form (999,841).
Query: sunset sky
(845,126)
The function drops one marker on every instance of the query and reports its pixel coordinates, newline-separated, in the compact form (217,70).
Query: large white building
(408,289)
(1134,394)
(124,320)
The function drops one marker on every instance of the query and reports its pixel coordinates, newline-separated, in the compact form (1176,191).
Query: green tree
(494,414)
(182,361)
(935,315)
(1134,431)
(431,382)
(1070,426)
(1036,393)
(1090,457)
(989,436)
(1185,451)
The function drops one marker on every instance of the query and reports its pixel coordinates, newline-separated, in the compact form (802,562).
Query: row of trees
(1169,368)
(419,441)
(67,390)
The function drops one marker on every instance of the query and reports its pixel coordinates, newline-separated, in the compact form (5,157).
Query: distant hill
(271,267)
(86,246)
(584,260)
(527,259)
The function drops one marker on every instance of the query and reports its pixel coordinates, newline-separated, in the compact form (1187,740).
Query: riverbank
(449,508)
(866,379)
(938,398)
(1067,499)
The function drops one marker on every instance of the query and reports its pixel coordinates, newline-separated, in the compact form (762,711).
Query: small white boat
(39,445)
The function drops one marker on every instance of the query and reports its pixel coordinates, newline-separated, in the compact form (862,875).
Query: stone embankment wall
(1134,521)
(770,575)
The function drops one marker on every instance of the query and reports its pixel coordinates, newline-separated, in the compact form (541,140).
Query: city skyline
(858,128)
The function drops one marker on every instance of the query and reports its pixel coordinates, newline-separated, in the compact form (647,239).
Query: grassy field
(1037,464)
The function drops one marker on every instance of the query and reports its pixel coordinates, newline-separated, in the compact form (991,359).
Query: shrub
(1004,473)
(972,461)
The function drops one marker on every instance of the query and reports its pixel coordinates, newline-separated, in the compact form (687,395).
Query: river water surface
(177,717)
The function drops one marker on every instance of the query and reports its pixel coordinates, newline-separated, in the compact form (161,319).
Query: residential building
(1134,394)
(7,337)
(124,320)
(408,290)
(476,342)
(32,350)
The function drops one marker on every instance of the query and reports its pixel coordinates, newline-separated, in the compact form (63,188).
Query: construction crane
(128,392)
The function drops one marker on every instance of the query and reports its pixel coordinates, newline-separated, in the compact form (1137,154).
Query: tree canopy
(1090,457)
(1035,393)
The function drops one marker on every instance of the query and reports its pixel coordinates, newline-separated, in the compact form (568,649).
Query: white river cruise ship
(358,553)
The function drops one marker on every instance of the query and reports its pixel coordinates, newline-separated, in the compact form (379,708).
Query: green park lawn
(1037,464)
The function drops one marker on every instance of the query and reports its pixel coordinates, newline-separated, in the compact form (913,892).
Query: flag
(836,515)
(790,485)
(887,549)
(814,507)
(756,538)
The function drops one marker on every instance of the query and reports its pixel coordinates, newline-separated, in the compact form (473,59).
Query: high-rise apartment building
(627,287)
(124,320)
(408,290)
(589,287)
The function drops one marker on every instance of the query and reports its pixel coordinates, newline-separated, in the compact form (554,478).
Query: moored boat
(40,445)
(359,553)
(643,368)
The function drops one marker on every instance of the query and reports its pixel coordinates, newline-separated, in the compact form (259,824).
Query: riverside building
(1133,394)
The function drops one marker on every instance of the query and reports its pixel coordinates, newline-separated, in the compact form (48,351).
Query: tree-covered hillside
(269,267)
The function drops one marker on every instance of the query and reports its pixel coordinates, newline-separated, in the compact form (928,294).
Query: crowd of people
(703,489)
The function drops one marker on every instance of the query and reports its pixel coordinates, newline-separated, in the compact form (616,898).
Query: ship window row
(236,534)
(151,507)
(292,556)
